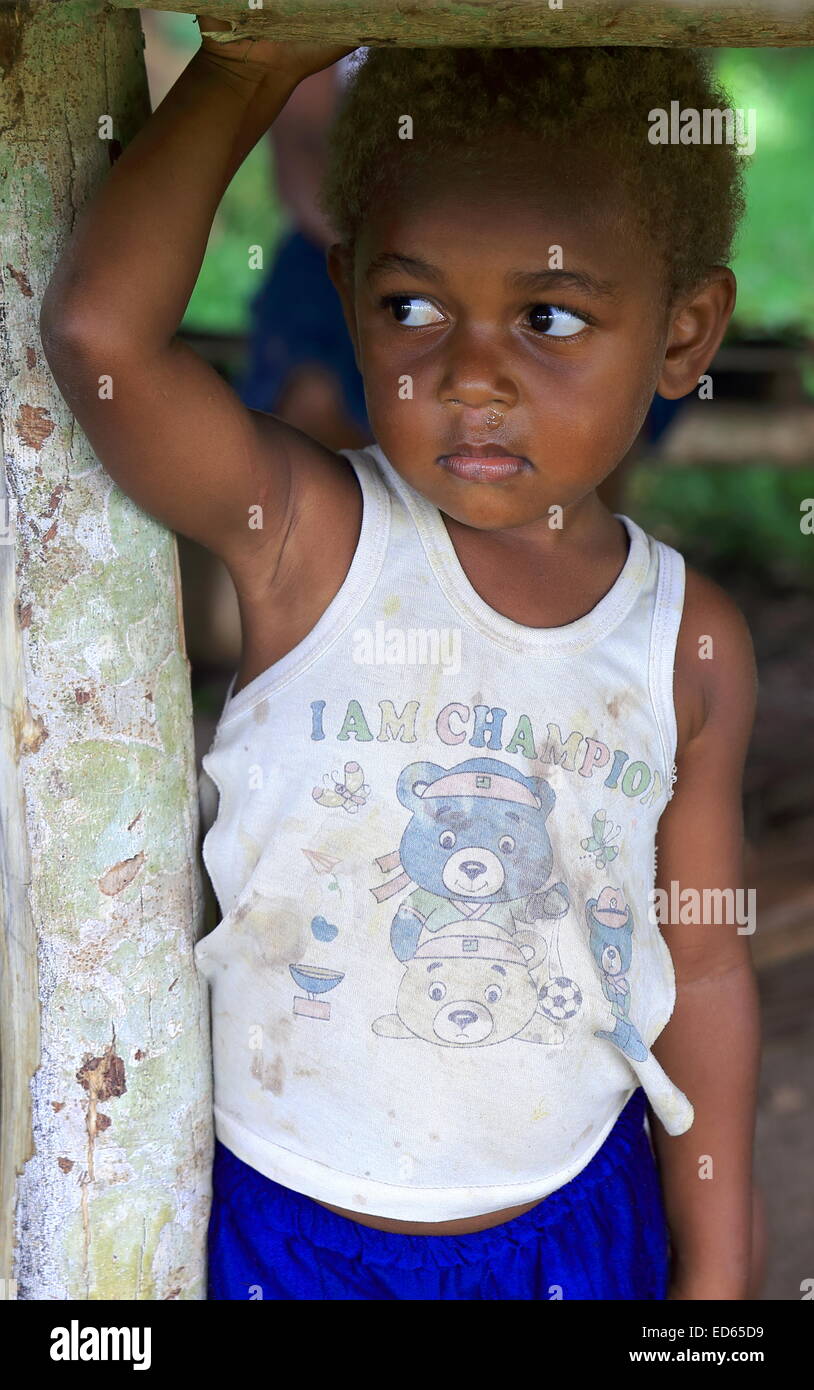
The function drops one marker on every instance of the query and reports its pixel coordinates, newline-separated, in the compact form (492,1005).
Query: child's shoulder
(715,667)
(710,610)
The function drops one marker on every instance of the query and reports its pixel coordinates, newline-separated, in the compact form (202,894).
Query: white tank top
(437,974)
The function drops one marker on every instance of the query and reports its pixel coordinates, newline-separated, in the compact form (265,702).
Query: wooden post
(105,1107)
(507,23)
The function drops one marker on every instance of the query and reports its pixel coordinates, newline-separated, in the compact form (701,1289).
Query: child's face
(461,356)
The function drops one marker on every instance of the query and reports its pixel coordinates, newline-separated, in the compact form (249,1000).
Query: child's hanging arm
(169,430)
(711,1044)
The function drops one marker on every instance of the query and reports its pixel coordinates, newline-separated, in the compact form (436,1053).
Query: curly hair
(688,198)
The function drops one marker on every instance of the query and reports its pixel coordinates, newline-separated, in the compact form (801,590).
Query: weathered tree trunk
(104,1035)
(422,23)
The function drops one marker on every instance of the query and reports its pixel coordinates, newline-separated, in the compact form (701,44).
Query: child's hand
(296,60)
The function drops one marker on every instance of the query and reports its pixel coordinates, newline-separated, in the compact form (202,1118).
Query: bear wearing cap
(610,926)
(470,984)
(477,847)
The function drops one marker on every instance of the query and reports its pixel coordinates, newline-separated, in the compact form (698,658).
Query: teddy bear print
(476,847)
(610,926)
(470,984)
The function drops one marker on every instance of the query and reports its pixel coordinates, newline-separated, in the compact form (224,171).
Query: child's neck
(540,576)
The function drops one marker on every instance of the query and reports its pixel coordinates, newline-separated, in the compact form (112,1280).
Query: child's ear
(696,327)
(339,263)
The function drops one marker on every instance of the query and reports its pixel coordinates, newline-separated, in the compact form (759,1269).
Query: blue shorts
(601,1236)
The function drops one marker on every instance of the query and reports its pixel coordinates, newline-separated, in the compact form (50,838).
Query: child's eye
(399,304)
(557,321)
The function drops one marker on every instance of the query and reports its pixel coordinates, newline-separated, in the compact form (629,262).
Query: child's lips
(489,463)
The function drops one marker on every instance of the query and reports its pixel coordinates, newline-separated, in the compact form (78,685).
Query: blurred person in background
(300,362)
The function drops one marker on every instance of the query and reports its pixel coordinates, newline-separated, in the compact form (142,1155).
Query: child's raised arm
(170,431)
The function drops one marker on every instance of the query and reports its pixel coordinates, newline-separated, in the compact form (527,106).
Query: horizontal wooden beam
(506,23)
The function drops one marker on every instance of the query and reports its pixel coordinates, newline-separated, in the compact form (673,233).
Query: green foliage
(179,30)
(775,247)
(250,215)
(726,519)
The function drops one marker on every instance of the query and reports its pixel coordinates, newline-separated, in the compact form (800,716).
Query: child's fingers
(204,22)
(299,59)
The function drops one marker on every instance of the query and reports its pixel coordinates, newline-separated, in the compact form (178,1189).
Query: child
(440,989)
